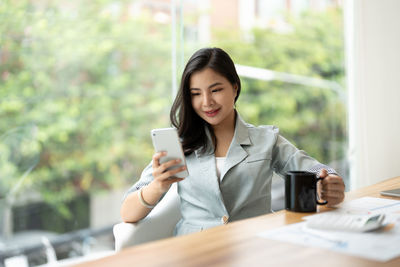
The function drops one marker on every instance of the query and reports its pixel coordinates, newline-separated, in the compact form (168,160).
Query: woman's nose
(207,100)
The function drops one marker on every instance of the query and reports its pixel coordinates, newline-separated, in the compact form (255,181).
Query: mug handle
(318,202)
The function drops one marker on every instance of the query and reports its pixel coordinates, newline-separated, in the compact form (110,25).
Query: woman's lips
(212,113)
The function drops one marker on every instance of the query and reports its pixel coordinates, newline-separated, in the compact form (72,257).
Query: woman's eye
(195,94)
(217,90)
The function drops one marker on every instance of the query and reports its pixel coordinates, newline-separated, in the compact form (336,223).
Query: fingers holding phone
(164,173)
(167,140)
(169,163)
(167,169)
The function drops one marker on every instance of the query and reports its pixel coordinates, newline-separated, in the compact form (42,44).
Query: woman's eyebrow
(214,84)
(209,87)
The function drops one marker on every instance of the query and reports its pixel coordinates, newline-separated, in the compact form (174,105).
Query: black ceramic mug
(301,191)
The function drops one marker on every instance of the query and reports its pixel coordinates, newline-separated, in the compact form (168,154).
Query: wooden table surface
(236,244)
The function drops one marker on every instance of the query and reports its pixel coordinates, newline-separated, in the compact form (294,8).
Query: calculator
(346,222)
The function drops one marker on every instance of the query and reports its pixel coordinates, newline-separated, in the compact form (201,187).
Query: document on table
(370,205)
(367,206)
(381,245)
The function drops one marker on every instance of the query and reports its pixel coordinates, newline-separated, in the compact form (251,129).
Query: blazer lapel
(236,152)
(209,169)
(235,155)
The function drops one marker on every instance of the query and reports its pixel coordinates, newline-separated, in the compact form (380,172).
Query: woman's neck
(227,127)
(224,134)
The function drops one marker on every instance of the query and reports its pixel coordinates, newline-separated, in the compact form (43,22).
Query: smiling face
(213,97)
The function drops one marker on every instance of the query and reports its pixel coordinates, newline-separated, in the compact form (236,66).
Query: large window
(82,83)
(290,57)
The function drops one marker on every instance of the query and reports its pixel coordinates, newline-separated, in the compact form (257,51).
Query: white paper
(370,205)
(366,205)
(379,246)
(382,245)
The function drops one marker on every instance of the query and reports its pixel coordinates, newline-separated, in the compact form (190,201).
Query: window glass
(82,83)
(290,56)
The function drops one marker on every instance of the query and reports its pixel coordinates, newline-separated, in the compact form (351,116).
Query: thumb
(323,173)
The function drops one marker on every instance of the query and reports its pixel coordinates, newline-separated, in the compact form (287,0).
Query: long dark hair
(192,128)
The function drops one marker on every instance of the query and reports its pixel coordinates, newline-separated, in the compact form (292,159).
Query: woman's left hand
(332,188)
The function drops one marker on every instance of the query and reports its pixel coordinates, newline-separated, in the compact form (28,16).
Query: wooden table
(236,244)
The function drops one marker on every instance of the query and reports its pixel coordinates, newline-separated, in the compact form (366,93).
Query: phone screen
(392,193)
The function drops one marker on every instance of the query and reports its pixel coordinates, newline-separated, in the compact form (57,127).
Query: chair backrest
(159,223)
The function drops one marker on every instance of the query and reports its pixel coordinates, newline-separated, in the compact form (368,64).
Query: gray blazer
(245,190)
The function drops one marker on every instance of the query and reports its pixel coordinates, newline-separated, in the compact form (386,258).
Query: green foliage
(312,45)
(91,79)
(87,82)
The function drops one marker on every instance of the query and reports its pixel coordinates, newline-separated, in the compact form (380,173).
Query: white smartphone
(166,139)
(392,193)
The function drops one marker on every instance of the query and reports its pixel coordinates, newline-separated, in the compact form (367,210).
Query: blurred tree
(89,78)
(92,78)
(311,45)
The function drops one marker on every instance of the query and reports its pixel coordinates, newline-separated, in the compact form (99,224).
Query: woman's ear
(235,88)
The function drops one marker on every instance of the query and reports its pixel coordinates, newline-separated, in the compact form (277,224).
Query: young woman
(230,162)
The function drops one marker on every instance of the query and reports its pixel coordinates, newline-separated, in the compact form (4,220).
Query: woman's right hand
(163,178)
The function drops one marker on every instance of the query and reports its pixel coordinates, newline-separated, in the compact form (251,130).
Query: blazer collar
(236,152)
(241,131)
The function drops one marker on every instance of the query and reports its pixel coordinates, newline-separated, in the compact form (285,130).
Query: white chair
(159,223)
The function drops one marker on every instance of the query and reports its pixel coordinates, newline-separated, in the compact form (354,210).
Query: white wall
(105,208)
(373,70)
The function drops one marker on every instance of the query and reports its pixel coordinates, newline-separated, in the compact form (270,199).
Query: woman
(230,162)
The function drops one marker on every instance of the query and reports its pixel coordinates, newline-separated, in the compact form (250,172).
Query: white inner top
(220,162)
